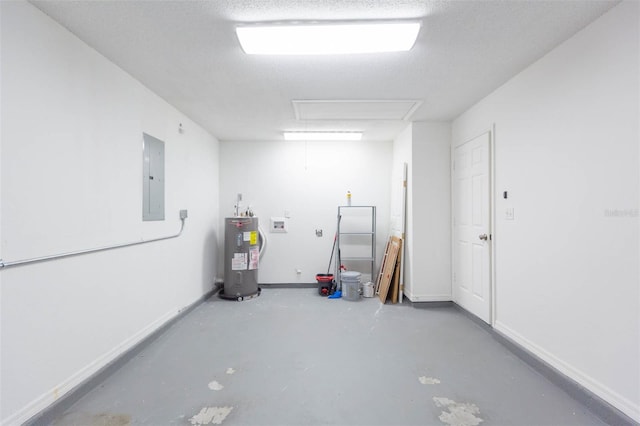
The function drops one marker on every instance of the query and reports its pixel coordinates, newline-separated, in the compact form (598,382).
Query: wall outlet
(183,214)
(278,225)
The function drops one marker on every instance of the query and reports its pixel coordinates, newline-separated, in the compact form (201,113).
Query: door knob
(483,237)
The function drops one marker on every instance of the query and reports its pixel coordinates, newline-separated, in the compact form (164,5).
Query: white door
(471,227)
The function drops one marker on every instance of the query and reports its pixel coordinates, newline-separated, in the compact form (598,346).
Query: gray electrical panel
(152,178)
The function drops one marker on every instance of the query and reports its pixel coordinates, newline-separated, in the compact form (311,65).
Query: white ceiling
(187,52)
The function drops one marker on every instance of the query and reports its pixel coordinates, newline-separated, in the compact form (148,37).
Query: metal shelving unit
(356,237)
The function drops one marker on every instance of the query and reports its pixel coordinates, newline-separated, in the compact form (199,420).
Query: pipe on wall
(4,265)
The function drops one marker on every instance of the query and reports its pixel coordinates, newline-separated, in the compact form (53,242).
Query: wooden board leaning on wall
(389,277)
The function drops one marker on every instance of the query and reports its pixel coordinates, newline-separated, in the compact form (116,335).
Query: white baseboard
(628,407)
(429,297)
(48,398)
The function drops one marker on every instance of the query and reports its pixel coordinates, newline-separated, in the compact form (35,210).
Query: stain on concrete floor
(214,385)
(211,415)
(459,413)
(428,380)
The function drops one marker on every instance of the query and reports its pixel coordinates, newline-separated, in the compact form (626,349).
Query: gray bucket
(350,285)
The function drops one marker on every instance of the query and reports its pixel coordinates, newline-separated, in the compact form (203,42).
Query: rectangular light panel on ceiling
(328,39)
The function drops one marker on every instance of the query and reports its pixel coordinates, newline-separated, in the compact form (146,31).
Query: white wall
(71,166)
(431,232)
(425,147)
(309,179)
(566,149)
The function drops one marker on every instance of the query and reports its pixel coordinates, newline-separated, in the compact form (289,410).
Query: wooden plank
(397,272)
(393,289)
(389,267)
(384,259)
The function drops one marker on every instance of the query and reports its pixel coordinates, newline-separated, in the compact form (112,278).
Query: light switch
(509,213)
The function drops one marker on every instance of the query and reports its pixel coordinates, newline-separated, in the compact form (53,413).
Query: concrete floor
(292,357)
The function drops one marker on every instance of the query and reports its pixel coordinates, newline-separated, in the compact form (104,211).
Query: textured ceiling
(186,51)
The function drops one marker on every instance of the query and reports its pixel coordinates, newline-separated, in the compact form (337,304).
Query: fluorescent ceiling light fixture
(322,136)
(326,39)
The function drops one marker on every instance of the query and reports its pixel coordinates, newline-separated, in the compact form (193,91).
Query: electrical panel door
(153,178)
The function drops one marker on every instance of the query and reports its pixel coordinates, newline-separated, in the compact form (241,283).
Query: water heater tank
(241,258)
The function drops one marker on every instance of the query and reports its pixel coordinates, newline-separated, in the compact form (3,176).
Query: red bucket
(324,283)
(324,278)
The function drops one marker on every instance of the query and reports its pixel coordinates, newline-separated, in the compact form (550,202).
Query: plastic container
(324,283)
(367,289)
(350,285)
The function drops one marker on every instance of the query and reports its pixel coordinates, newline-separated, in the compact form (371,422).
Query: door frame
(492,215)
